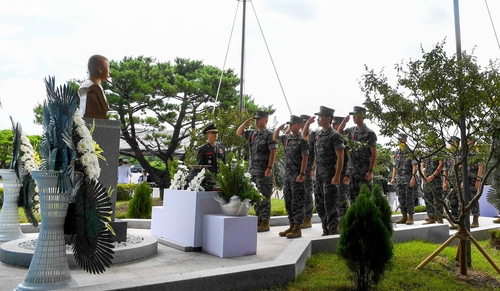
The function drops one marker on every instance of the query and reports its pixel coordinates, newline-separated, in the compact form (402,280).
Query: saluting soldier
(309,182)
(363,152)
(296,156)
(329,153)
(403,174)
(262,149)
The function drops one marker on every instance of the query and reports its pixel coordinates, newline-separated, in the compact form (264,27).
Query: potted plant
(237,191)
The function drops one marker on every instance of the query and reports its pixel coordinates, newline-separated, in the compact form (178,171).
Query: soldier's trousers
(455,202)
(406,197)
(265,186)
(327,204)
(355,184)
(431,204)
(309,205)
(344,199)
(295,198)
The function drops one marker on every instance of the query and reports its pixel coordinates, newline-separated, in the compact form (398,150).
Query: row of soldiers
(333,163)
(440,182)
(315,162)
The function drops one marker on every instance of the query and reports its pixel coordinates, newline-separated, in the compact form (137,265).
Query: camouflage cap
(358,110)
(454,139)
(337,119)
(402,136)
(294,119)
(305,118)
(261,114)
(210,128)
(323,110)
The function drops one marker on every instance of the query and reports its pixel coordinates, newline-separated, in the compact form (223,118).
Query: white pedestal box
(230,236)
(180,219)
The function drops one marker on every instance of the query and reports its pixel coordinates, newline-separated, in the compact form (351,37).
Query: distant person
(93,102)
(433,188)
(124,173)
(403,174)
(449,178)
(144,177)
(262,149)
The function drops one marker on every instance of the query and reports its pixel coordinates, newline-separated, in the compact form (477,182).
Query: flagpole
(242,79)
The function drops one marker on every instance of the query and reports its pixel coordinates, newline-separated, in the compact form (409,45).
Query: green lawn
(327,271)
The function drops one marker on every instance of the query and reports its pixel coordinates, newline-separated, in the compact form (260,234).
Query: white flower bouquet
(180,181)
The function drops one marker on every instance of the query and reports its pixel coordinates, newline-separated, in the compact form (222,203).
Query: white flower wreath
(86,149)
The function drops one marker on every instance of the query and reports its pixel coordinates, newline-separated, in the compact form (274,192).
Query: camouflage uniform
(326,194)
(310,181)
(294,192)
(473,167)
(260,145)
(362,139)
(431,203)
(449,167)
(403,163)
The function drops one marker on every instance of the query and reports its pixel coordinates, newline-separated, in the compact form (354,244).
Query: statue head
(98,67)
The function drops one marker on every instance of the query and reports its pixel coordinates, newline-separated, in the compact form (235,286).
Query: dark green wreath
(88,218)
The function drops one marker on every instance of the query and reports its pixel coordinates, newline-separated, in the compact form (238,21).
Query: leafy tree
(437,97)
(6,139)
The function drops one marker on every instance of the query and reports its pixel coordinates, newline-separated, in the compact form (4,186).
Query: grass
(277,209)
(325,271)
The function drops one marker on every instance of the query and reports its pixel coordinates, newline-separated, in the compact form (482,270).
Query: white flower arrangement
(180,178)
(88,152)
(195,184)
(27,155)
(180,181)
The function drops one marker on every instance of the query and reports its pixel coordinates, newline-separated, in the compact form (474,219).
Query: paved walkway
(172,265)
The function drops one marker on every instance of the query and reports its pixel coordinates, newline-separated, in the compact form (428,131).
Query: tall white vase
(49,266)
(10,229)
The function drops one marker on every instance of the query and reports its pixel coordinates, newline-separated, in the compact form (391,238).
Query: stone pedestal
(230,236)
(107,135)
(180,219)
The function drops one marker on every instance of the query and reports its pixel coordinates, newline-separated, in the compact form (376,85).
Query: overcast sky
(319,47)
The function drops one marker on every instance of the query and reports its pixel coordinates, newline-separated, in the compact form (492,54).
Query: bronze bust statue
(93,102)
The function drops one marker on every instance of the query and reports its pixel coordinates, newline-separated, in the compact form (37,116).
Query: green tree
(6,139)
(437,97)
(152,97)
(365,242)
